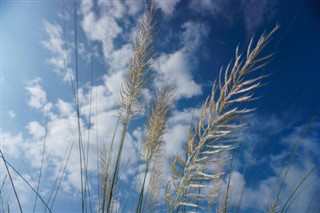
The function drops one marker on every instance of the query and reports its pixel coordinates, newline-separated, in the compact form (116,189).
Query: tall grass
(197,173)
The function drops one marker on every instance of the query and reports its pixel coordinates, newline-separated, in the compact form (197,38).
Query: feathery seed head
(140,64)
(156,125)
(210,140)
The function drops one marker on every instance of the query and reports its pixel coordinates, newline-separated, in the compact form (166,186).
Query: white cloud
(119,9)
(65,108)
(38,97)
(104,29)
(36,130)
(113,84)
(168,7)
(113,8)
(120,58)
(100,101)
(12,144)
(62,131)
(86,6)
(178,66)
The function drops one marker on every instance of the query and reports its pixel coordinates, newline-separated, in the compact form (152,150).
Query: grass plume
(221,116)
(154,130)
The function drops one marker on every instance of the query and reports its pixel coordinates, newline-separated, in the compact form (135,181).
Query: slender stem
(107,166)
(116,169)
(11,181)
(139,206)
(42,162)
(9,174)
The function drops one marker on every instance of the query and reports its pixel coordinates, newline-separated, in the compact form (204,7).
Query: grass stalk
(7,165)
(135,82)
(105,162)
(11,181)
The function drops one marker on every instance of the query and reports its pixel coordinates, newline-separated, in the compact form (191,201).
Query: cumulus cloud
(106,29)
(65,108)
(11,144)
(177,67)
(103,29)
(36,130)
(112,8)
(62,135)
(38,97)
(120,58)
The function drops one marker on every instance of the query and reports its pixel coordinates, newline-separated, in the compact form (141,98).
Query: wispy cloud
(56,46)
(12,114)
(194,34)
(208,6)
(257,13)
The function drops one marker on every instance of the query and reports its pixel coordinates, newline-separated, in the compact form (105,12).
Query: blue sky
(196,38)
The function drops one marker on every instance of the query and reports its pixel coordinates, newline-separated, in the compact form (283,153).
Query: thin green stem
(139,206)
(116,168)
(104,190)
